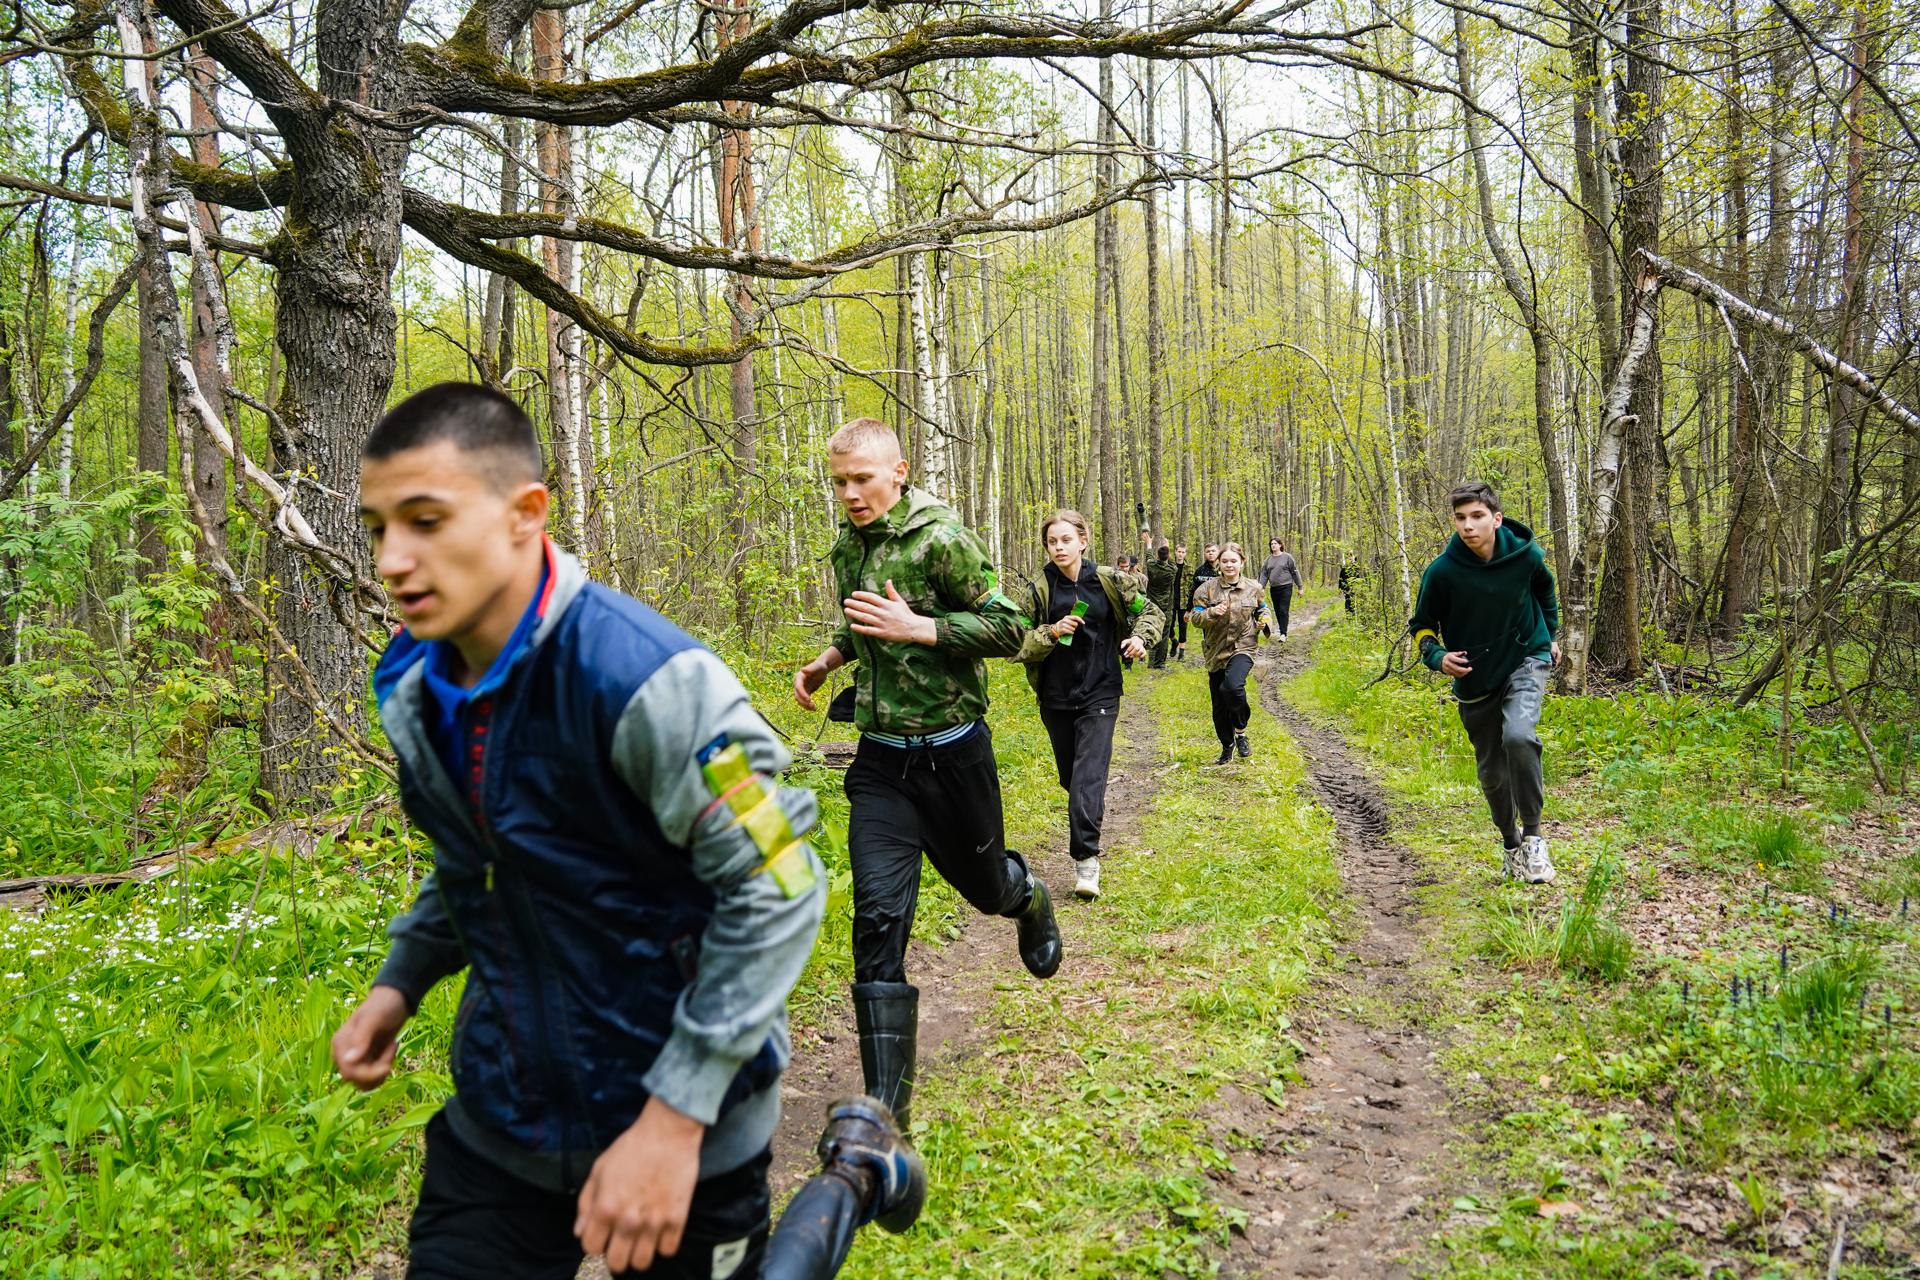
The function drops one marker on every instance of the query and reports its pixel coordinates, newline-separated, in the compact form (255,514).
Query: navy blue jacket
(631,925)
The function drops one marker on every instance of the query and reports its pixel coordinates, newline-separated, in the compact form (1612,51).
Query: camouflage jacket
(1229,618)
(941,569)
(1161,576)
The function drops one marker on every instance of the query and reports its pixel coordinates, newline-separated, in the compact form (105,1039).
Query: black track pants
(1082,754)
(1504,729)
(1282,608)
(945,800)
(1228,686)
(475,1221)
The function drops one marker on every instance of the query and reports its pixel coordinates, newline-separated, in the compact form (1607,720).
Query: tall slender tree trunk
(1837,516)
(554,143)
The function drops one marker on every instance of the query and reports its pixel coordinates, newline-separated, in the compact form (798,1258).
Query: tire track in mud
(1336,1183)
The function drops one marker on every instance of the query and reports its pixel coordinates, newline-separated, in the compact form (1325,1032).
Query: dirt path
(1335,1187)
(957,980)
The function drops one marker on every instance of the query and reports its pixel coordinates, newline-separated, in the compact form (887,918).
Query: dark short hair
(1164,551)
(475,419)
(1474,491)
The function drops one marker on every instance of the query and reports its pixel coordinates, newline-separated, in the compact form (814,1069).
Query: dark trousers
(1228,687)
(945,800)
(1282,608)
(1177,624)
(475,1221)
(1082,754)
(1503,728)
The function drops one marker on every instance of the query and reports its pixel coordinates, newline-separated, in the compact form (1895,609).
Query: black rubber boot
(888,1016)
(1040,946)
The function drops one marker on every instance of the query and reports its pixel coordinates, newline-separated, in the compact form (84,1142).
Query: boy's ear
(529,505)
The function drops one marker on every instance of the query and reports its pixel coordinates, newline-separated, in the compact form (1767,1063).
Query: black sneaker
(1241,745)
(1226,754)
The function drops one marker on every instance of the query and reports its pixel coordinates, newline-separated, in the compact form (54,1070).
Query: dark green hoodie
(1502,611)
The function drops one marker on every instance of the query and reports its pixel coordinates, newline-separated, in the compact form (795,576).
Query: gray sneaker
(1513,863)
(1539,867)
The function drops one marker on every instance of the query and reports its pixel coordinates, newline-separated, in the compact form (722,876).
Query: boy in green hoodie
(1486,616)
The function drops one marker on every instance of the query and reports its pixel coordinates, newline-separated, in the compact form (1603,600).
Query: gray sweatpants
(1503,727)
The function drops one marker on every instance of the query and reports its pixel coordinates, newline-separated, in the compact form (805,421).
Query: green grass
(1611,1074)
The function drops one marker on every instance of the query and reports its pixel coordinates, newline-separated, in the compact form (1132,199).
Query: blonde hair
(1235,548)
(862,434)
(1065,515)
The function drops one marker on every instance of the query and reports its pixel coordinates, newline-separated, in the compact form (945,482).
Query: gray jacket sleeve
(768,900)
(425,948)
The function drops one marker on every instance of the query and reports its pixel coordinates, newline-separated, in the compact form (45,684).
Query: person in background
(1182,597)
(1348,578)
(1280,575)
(1229,609)
(1090,620)
(1162,583)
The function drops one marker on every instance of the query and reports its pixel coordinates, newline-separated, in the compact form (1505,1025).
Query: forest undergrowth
(1696,1052)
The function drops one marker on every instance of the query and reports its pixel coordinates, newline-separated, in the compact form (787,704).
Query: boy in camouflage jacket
(923,609)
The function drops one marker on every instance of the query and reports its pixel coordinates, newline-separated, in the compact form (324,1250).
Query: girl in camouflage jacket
(1229,610)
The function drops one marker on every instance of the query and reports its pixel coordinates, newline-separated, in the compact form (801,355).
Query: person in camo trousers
(1163,581)
(1078,682)
(1486,615)
(1229,609)
(923,608)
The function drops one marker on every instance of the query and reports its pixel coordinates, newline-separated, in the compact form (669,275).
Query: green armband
(734,783)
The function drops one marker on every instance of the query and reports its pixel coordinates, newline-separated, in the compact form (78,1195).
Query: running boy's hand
(1455,664)
(1066,626)
(805,681)
(364,1045)
(1132,648)
(888,617)
(635,1203)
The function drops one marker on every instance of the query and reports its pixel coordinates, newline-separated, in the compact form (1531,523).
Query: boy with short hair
(614,864)
(922,609)
(1490,597)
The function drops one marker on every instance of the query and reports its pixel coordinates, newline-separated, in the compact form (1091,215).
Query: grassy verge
(167,1106)
(1079,1144)
(1695,1052)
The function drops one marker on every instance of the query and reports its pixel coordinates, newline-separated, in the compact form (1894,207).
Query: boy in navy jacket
(614,864)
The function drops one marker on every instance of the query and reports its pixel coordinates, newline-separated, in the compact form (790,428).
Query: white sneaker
(1086,879)
(1538,865)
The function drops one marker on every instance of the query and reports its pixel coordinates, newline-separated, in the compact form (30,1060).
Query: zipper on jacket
(860,584)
